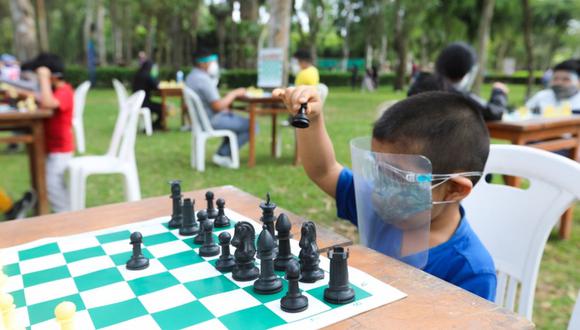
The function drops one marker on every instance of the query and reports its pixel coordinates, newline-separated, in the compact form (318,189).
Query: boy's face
(455,189)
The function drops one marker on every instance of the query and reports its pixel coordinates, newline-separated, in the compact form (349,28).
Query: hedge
(244,78)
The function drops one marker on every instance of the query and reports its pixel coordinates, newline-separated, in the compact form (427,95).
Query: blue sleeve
(345,197)
(483,285)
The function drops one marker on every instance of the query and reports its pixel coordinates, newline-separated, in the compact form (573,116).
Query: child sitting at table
(449,130)
(58,95)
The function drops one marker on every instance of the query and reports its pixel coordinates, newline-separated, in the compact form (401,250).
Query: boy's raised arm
(314,145)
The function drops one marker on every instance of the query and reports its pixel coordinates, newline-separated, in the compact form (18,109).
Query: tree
(528,43)
(279,30)
(400,45)
(25,44)
(101,40)
(42,27)
(483,42)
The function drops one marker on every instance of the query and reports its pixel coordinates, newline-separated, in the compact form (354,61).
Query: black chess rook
(283,227)
(338,290)
(294,301)
(137,261)
(226,261)
(221,220)
(268,282)
(176,215)
(188,226)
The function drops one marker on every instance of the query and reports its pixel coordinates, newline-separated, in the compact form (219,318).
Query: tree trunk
(279,31)
(127,34)
(369,53)
(24,29)
(102,48)
(529,46)
(383,51)
(194,23)
(483,42)
(87,25)
(150,36)
(401,45)
(42,26)
(249,10)
(176,49)
(116,23)
(315,17)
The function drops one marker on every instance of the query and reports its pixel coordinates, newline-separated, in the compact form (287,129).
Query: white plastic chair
(514,224)
(144,112)
(120,159)
(80,98)
(575,318)
(323,91)
(202,130)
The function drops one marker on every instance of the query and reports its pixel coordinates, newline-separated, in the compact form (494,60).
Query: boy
(306,73)
(58,95)
(448,129)
(563,91)
(216,107)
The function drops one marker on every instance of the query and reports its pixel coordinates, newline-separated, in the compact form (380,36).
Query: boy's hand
(501,86)
(43,72)
(293,97)
(238,92)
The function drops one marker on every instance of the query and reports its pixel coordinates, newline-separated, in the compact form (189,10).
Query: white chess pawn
(7,309)
(64,313)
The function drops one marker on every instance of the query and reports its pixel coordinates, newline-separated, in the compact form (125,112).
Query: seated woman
(145,82)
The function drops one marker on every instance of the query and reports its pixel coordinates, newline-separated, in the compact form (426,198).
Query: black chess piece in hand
(300,120)
(188,226)
(283,227)
(211,211)
(209,247)
(293,301)
(244,238)
(226,261)
(138,261)
(202,219)
(309,256)
(339,290)
(268,282)
(176,216)
(221,220)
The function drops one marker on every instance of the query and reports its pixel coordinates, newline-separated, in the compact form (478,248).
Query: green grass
(165,156)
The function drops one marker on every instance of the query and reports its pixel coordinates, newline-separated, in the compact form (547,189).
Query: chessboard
(178,290)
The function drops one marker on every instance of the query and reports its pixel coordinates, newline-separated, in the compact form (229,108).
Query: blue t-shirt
(462,260)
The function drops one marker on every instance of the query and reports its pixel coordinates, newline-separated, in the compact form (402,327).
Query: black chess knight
(309,255)
(244,238)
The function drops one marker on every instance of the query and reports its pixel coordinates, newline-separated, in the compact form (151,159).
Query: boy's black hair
(445,127)
(303,55)
(52,61)
(455,61)
(201,53)
(428,82)
(568,65)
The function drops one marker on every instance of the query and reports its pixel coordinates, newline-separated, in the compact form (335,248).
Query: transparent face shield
(394,201)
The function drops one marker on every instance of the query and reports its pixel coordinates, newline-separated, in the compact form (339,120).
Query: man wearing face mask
(302,67)
(455,70)
(563,90)
(425,156)
(201,81)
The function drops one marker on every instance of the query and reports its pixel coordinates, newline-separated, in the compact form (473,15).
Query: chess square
(239,283)
(22,317)
(213,324)
(82,254)
(173,247)
(318,284)
(19,298)
(117,247)
(257,317)
(50,290)
(42,263)
(8,257)
(107,295)
(14,283)
(45,311)
(158,239)
(44,276)
(210,286)
(149,284)
(155,267)
(109,315)
(122,235)
(166,299)
(237,300)
(145,322)
(122,258)
(97,279)
(265,298)
(195,272)
(11,269)
(315,306)
(173,318)
(151,229)
(39,251)
(318,293)
(86,266)
(207,258)
(77,243)
(81,317)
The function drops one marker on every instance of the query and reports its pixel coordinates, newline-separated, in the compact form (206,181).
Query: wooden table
(266,105)
(31,125)
(551,134)
(166,93)
(431,303)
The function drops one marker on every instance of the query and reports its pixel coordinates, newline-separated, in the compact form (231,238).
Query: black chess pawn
(339,290)
(221,220)
(226,261)
(293,301)
(188,226)
(176,216)
(268,218)
(309,256)
(138,261)
(283,227)
(244,238)
(268,282)
(300,120)
(209,247)
(202,219)
(211,211)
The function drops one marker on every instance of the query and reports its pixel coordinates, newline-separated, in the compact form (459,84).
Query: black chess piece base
(244,275)
(262,286)
(339,297)
(311,276)
(174,223)
(280,264)
(300,121)
(139,263)
(209,250)
(294,304)
(225,265)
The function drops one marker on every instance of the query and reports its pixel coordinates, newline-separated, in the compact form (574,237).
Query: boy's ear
(458,188)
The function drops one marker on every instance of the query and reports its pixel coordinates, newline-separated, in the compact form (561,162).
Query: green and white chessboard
(179,290)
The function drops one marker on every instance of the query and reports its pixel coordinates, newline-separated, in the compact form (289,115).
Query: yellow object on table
(64,313)
(7,310)
(254,92)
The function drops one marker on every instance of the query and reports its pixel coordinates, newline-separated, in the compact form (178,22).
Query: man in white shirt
(563,91)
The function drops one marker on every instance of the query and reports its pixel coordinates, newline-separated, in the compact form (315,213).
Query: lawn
(165,156)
